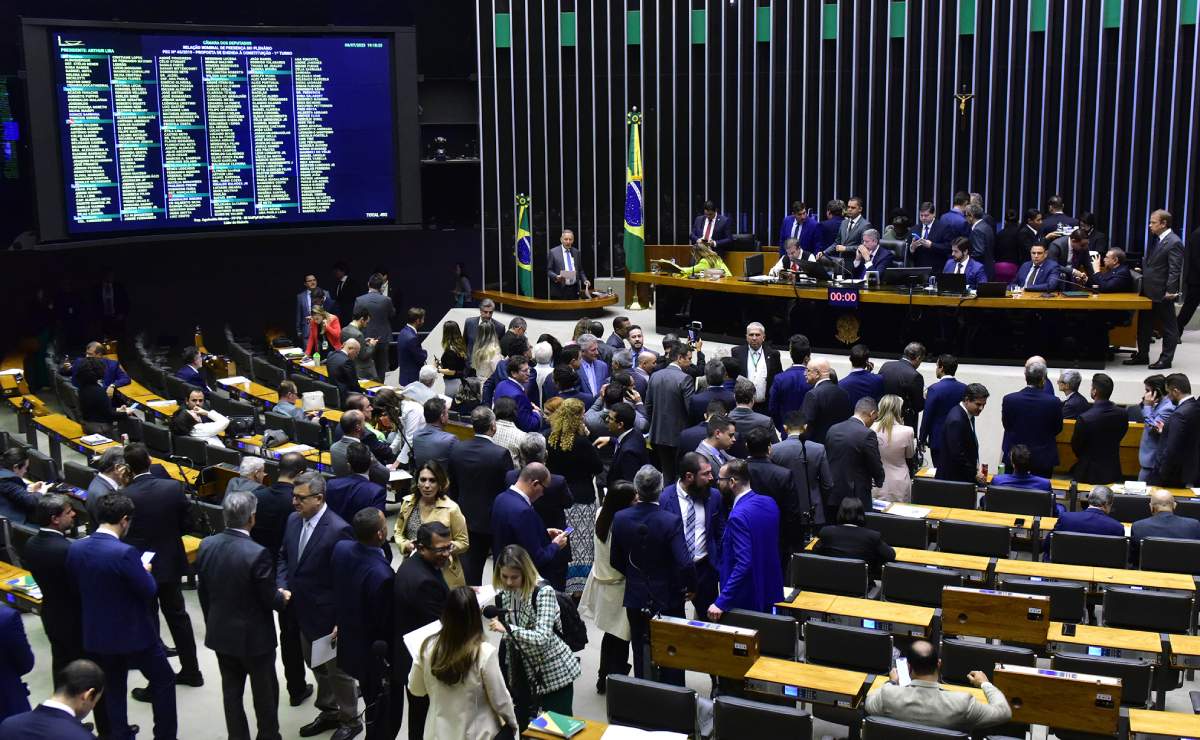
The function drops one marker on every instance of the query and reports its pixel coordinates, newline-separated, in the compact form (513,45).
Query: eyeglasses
(443,550)
(299,497)
(719,478)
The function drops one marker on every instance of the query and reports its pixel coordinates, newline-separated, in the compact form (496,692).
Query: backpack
(570,628)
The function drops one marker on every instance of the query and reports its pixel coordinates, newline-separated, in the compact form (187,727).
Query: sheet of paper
(399,475)
(291,352)
(147,557)
(912,512)
(620,732)
(161,403)
(486,595)
(324,649)
(234,380)
(902,673)
(94,439)
(413,639)
(11,371)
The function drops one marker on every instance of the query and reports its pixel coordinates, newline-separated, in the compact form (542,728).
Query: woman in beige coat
(604,594)
(428,503)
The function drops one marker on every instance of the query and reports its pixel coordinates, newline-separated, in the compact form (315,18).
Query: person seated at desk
(924,702)
(1114,275)
(290,405)
(789,264)
(704,258)
(190,372)
(1020,458)
(1092,520)
(114,374)
(960,263)
(96,411)
(851,538)
(1162,522)
(196,421)
(870,257)
(1077,260)
(252,477)
(17,500)
(711,229)
(1038,273)
(324,329)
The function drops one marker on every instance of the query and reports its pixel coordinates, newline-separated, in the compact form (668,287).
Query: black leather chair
(77,475)
(285,424)
(1100,550)
(333,399)
(1012,500)
(851,648)
(267,374)
(1155,611)
(157,439)
(968,538)
(42,467)
(218,455)
(312,433)
(209,519)
(1068,601)
(885,728)
(933,492)
(649,705)
(917,584)
(740,719)
(843,576)
(1129,507)
(900,531)
(1170,555)
(1189,507)
(960,657)
(194,449)
(778,636)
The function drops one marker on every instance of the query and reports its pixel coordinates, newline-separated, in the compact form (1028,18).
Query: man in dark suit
(1055,219)
(1162,522)
(629,445)
(1094,519)
(340,365)
(487,307)
(1034,419)
(796,225)
(870,257)
(667,399)
(78,688)
(934,250)
(959,456)
(1040,273)
(190,373)
(1178,464)
(565,268)
(850,231)
(825,404)
(420,593)
(758,363)
(620,333)
(515,522)
(776,483)
(1098,434)
(363,586)
(162,520)
(345,290)
(432,441)
(648,548)
(1162,275)
(860,381)
(346,495)
(382,311)
(962,262)
(900,378)
(304,573)
(715,230)
(791,385)
(745,418)
(1074,404)
(1114,277)
(411,354)
(809,465)
(718,390)
(920,249)
(304,307)
(695,501)
(982,238)
(825,235)
(114,374)
(942,396)
(238,595)
(854,460)
(515,386)
(117,594)
(691,437)
(477,469)
(750,575)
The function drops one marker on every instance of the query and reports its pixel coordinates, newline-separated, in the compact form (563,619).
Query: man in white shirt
(789,264)
(757,362)
(196,421)
(693,498)
(565,269)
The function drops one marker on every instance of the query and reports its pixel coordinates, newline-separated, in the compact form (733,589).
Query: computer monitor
(814,270)
(915,276)
(950,282)
(753,265)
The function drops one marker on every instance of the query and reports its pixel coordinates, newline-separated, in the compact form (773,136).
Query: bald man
(1162,522)
(515,522)
(825,404)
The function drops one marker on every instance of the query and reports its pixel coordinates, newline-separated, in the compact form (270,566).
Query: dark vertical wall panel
(757,104)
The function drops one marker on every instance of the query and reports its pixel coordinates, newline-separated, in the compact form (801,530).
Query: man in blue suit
(514,386)
(860,381)
(720,388)
(364,611)
(962,262)
(304,307)
(713,229)
(1032,418)
(942,396)
(629,445)
(78,687)
(408,347)
(117,593)
(950,225)
(515,522)
(796,225)
(693,499)
(190,371)
(870,257)
(1039,273)
(17,661)
(1092,520)
(347,494)
(982,238)
(791,385)
(1019,475)
(1114,275)
(114,375)
(1162,522)
(751,577)
(648,548)
(593,372)
(305,573)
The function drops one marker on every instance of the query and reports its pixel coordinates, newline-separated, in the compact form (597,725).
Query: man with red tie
(713,229)
(789,263)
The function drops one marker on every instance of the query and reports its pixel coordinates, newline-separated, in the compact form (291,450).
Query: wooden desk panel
(974,564)
(806,682)
(1108,641)
(699,646)
(1057,699)
(1185,651)
(1148,723)
(1008,617)
(1050,571)
(808,603)
(887,616)
(1144,578)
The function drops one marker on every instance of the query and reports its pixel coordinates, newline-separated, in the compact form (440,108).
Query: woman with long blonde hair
(704,258)
(897,445)
(570,453)
(486,352)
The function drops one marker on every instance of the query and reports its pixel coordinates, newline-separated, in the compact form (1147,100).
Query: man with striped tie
(921,248)
(567,278)
(693,499)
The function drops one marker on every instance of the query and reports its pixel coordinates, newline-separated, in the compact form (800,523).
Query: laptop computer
(753,265)
(991,290)
(953,283)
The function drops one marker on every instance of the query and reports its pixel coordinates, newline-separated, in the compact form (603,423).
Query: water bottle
(1000,469)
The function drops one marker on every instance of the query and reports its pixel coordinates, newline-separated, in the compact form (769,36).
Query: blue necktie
(689,525)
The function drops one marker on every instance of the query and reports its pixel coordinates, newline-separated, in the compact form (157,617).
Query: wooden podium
(1068,701)
(704,647)
(1000,615)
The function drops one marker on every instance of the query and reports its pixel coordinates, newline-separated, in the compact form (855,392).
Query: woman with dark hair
(851,538)
(553,342)
(461,675)
(453,363)
(95,404)
(1156,408)
(429,503)
(542,665)
(604,595)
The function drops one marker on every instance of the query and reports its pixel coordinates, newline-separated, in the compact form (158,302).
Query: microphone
(1066,270)
(491,611)
(827,261)
(381,650)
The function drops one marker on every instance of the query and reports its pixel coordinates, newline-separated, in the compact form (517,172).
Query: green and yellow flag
(635,211)
(524,247)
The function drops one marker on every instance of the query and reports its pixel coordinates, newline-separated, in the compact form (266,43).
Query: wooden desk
(18,599)
(807,605)
(1045,571)
(974,567)
(1148,723)
(1105,641)
(1145,578)
(547,305)
(253,392)
(593,730)
(191,548)
(1009,617)
(702,646)
(1185,651)
(1070,701)
(898,619)
(806,682)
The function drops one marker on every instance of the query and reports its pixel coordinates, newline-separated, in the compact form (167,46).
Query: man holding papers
(567,278)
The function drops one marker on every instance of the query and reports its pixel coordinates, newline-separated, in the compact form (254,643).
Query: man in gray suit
(567,279)
(379,326)
(364,361)
(924,702)
(432,441)
(353,428)
(1162,270)
(850,232)
(853,458)
(809,466)
(745,418)
(667,398)
(471,327)
(108,480)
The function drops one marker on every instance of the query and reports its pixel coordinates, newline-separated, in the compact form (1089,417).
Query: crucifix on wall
(963,97)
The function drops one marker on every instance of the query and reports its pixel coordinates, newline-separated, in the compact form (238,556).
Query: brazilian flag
(524,247)
(635,230)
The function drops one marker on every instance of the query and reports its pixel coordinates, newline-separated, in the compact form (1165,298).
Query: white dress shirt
(700,536)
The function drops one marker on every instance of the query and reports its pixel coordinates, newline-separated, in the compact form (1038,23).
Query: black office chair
(77,475)
(209,519)
(177,389)
(218,455)
(968,538)
(778,636)
(193,449)
(231,408)
(304,384)
(42,467)
(333,398)
(1137,675)
(919,585)
(741,719)
(885,728)
(8,544)
(1168,555)
(843,576)
(1155,611)
(5,441)
(1100,550)
(933,492)
(157,439)
(649,705)
(1189,507)
(1012,500)
(1068,601)
(900,531)
(242,359)
(960,657)
(311,433)
(851,648)
(267,374)
(1129,507)
(271,468)
(285,424)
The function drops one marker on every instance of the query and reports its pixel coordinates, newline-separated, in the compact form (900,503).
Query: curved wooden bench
(547,305)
